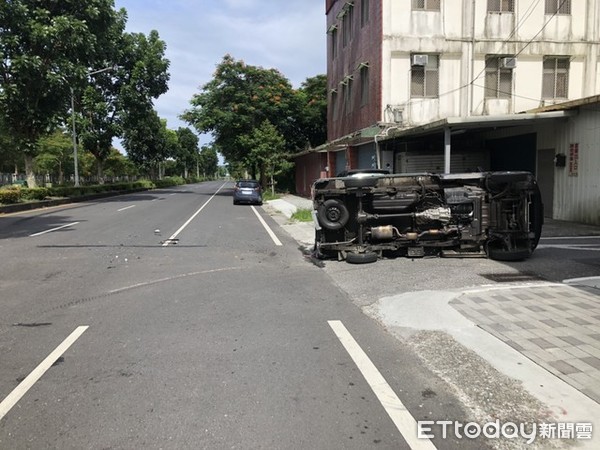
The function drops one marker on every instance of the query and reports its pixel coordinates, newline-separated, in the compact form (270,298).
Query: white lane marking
(38,372)
(264,224)
(168,241)
(176,277)
(53,229)
(586,247)
(404,421)
(580,280)
(558,238)
(127,207)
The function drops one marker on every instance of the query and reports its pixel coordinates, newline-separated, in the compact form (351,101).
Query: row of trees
(74,59)
(55,53)
(257,119)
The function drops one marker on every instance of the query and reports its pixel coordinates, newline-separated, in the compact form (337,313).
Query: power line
(507,41)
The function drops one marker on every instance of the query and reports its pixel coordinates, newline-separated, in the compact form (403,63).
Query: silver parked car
(247,191)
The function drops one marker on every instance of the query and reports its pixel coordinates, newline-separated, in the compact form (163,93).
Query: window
(334,104)
(334,42)
(348,95)
(498,77)
(364,84)
(424,79)
(555,81)
(501,5)
(364,12)
(426,5)
(347,23)
(558,6)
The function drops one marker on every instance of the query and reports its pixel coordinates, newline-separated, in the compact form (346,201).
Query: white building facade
(448,58)
(464,85)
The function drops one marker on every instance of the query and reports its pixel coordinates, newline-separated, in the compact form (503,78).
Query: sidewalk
(546,335)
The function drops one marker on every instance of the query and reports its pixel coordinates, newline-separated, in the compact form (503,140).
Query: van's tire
(333,214)
(500,254)
(361,258)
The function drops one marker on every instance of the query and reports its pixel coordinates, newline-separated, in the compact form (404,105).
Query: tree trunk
(61,174)
(99,171)
(30,176)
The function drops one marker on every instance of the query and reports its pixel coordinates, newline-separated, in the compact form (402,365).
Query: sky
(288,35)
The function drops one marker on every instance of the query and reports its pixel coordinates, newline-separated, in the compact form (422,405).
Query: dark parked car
(247,191)
(494,214)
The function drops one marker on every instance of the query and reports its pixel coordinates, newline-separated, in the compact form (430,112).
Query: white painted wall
(449,34)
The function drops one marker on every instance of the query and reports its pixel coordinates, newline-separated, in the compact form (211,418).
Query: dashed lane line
(266,226)
(38,372)
(174,235)
(404,421)
(53,229)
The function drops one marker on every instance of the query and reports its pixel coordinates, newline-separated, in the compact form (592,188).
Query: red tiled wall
(308,169)
(364,46)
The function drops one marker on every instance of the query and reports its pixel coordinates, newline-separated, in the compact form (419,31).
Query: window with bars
(501,5)
(364,12)
(555,80)
(498,78)
(364,85)
(426,5)
(558,6)
(425,80)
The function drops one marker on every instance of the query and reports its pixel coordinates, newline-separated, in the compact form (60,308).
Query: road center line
(127,207)
(38,372)
(404,421)
(53,229)
(264,224)
(168,241)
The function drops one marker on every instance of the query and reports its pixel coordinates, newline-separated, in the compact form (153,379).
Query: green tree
(237,100)
(268,146)
(208,161)
(118,165)
(10,158)
(47,48)
(55,155)
(188,150)
(313,94)
(139,75)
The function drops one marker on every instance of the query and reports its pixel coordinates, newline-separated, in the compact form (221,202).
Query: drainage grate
(511,277)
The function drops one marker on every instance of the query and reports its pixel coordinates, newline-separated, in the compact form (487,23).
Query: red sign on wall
(573,159)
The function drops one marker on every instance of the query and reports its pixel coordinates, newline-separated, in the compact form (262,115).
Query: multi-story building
(457,85)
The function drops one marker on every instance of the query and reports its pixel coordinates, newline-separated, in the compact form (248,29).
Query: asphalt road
(202,332)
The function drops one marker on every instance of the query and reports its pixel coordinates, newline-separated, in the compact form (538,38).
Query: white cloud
(289,36)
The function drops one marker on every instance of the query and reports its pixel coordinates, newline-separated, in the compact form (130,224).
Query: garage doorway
(513,153)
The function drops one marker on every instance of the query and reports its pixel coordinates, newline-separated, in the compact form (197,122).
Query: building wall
(308,169)
(364,46)
(577,197)
(528,33)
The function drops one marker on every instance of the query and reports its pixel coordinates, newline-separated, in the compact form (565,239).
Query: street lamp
(75,162)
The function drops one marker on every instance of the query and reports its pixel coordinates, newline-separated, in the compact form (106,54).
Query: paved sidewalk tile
(556,326)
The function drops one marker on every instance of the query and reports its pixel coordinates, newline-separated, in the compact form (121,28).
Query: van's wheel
(333,214)
(500,254)
(361,258)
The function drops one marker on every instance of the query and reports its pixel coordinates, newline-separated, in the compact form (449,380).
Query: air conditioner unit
(508,63)
(419,60)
